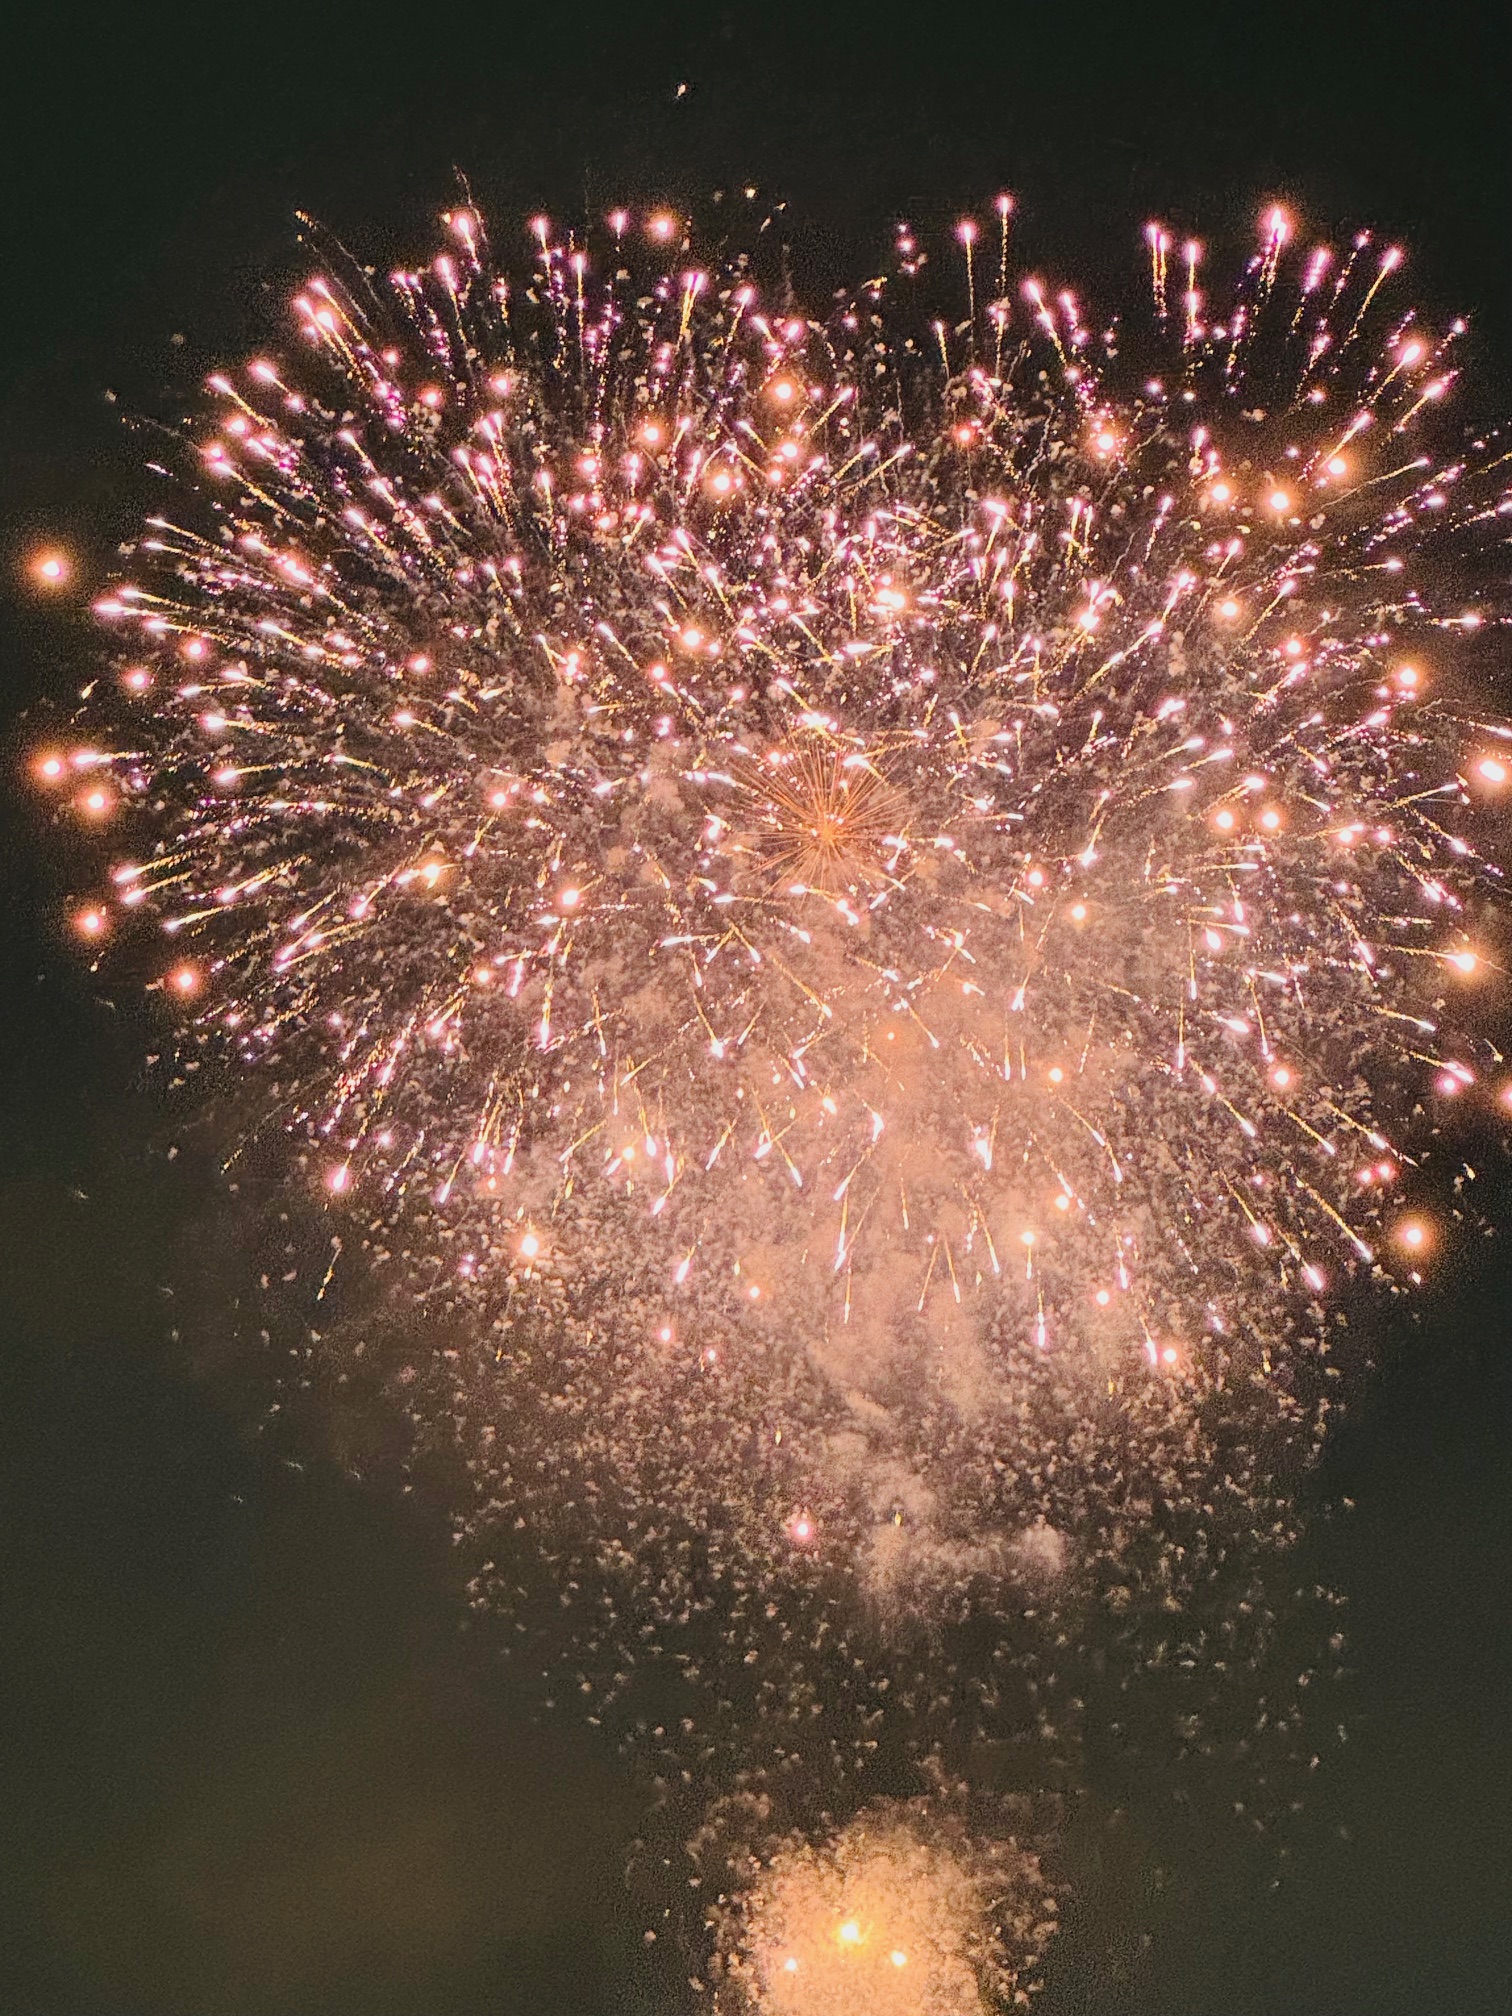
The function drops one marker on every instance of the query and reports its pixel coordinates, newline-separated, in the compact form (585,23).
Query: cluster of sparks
(875,910)
(902,1913)
(618,733)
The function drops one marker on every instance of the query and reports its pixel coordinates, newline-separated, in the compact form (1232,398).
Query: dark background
(248,1760)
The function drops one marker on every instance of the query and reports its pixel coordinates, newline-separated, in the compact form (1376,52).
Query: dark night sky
(248,1762)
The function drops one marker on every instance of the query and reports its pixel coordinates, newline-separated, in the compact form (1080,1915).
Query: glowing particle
(50,568)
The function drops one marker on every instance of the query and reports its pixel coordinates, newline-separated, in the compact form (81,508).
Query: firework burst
(902,1913)
(858,919)
(893,867)
(825,819)
(611,734)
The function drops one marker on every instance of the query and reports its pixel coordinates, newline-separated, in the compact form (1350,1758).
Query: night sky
(250,1761)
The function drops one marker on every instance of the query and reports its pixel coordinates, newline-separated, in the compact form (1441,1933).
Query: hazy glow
(900,1914)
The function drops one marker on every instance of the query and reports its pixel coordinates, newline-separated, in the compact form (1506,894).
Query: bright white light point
(50,569)
(1079,912)
(530,1245)
(338,1178)
(898,1959)
(1279,501)
(790,1966)
(801,1530)
(1103,1298)
(850,1933)
(1056,1074)
(1281,1076)
(1492,771)
(1223,819)
(570,898)
(1463,962)
(1413,1235)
